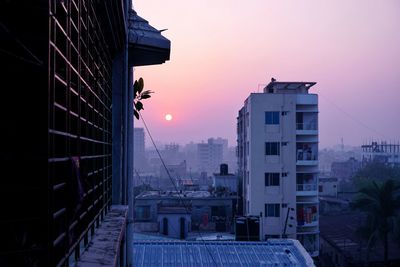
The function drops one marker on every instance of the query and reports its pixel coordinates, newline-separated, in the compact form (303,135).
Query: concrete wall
(174,224)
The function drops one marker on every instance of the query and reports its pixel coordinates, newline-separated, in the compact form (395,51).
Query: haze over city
(224,50)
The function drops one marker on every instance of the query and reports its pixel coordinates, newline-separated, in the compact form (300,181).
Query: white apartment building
(278,161)
(209,156)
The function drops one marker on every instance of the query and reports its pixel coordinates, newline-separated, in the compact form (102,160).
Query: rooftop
(276,252)
(288,85)
(181,194)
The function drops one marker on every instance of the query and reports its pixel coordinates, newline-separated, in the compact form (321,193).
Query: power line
(140,178)
(172,181)
(352,117)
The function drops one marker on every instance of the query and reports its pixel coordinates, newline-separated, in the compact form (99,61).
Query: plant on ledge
(139,95)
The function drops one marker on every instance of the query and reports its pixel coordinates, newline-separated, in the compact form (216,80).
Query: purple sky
(222,50)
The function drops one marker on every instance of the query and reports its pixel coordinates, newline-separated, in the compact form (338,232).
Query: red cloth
(314,209)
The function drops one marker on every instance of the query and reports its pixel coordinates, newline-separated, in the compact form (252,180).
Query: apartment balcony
(306,158)
(306,184)
(307,154)
(307,215)
(310,128)
(306,189)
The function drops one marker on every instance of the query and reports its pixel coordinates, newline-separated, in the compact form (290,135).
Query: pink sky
(222,50)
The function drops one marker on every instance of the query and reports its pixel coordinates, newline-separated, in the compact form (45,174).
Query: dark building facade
(345,170)
(67,124)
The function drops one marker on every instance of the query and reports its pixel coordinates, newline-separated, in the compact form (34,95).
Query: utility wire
(172,181)
(140,178)
(352,117)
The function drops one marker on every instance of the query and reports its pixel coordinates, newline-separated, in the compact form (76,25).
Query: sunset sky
(222,50)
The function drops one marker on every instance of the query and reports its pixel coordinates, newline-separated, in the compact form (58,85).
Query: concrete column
(117,126)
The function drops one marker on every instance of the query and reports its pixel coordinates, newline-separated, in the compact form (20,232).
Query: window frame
(272,117)
(273,210)
(270,150)
(272,179)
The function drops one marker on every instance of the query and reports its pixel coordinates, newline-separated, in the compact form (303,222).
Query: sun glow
(168,117)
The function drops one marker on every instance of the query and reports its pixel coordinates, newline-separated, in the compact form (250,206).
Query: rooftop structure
(272,253)
(226,180)
(285,87)
(383,152)
(208,212)
(345,170)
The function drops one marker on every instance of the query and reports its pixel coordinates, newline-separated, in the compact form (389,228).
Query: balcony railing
(306,155)
(307,215)
(306,126)
(306,187)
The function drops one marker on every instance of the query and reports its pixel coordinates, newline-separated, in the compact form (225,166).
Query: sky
(223,50)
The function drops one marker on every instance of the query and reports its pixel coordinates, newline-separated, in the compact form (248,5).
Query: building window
(271,179)
(272,148)
(272,210)
(218,211)
(271,117)
(320,188)
(284,174)
(142,213)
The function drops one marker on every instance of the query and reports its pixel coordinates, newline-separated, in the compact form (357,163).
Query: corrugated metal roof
(182,253)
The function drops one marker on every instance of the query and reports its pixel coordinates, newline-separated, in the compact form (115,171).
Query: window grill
(79,136)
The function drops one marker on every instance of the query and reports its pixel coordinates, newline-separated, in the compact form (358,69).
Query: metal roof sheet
(277,252)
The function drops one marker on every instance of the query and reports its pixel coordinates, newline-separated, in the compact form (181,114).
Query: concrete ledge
(104,248)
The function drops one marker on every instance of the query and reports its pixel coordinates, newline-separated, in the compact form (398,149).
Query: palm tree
(381,203)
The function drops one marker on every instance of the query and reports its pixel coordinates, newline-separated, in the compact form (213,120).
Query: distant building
(171,154)
(208,212)
(328,187)
(209,156)
(174,221)
(225,179)
(388,154)
(278,160)
(345,170)
(177,171)
(138,149)
(224,143)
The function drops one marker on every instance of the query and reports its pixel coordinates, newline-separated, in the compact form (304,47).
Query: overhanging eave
(146,44)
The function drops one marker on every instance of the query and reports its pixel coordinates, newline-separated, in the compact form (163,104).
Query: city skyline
(217,59)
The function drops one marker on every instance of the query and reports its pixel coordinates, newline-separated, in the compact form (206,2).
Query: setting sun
(168,117)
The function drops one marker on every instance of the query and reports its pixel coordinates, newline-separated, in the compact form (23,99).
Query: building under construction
(386,153)
(67,129)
